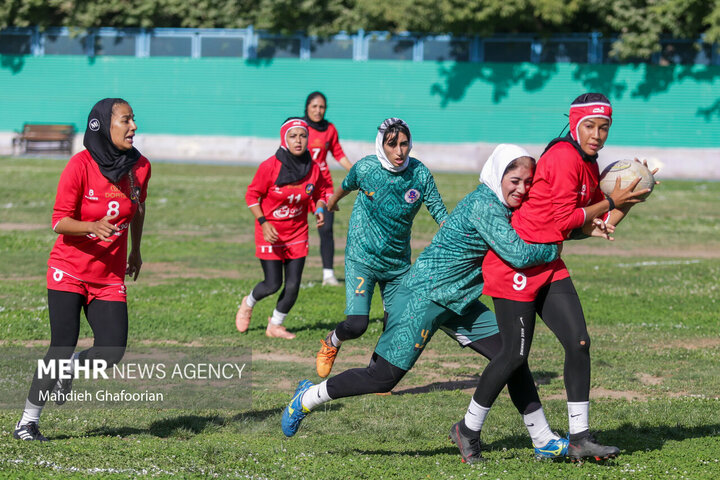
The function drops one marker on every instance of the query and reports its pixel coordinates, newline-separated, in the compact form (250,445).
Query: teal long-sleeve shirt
(449,270)
(383,213)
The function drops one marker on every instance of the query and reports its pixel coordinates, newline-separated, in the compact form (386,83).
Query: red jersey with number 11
(85,194)
(285,207)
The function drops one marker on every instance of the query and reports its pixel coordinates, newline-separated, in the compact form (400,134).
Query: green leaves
(638,24)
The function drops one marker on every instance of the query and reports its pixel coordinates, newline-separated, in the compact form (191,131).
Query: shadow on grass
(629,438)
(542,377)
(189,425)
(471,382)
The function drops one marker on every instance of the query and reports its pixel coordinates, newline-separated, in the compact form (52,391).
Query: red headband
(285,128)
(581,111)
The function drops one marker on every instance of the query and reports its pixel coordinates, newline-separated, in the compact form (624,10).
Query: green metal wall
(442,102)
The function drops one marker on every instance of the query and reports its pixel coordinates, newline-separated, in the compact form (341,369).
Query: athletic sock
(250,300)
(475,416)
(315,395)
(31,414)
(538,428)
(578,416)
(328,273)
(335,341)
(277,317)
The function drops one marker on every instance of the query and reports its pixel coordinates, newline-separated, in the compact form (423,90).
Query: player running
(392,187)
(279,197)
(101,195)
(323,138)
(565,197)
(441,290)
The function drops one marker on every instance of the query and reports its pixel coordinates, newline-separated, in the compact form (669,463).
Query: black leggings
(352,327)
(559,307)
(273,270)
(327,242)
(109,323)
(381,376)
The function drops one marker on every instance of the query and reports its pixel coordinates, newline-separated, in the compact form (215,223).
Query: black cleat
(588,447)
(469,446)
(61,390)
(29,431)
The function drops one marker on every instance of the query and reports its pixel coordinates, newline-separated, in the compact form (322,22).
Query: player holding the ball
(565,202)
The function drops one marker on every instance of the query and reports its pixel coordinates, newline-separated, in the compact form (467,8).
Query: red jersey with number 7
(85,194)
(285,207)
(319,144)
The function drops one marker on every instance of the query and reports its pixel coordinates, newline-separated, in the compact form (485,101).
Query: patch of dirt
(647,379)
(8,226)
(605,393)
(167,270)
(694,344)
(82,342)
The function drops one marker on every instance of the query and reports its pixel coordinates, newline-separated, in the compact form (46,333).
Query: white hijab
(380,152)
(492,172)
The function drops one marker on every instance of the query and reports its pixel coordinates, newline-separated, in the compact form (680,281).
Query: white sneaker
(331,282)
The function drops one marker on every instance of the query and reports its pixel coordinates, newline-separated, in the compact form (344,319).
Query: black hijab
(113,162)
(294,167)
(568,138)
(323,124)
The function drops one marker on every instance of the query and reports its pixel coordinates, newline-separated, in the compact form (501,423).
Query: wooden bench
(44,137)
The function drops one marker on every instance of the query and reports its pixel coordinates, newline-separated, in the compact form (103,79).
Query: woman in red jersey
(323,138)
(101,195)
(279,197)
(564,202)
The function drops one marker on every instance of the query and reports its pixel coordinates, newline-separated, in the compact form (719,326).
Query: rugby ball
(627,171)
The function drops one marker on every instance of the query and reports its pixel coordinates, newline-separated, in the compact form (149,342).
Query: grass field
(651,300)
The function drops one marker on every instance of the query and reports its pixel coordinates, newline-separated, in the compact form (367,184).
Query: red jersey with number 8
(85,194)
(285,207)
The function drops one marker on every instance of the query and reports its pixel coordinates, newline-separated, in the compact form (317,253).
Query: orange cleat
(325,359)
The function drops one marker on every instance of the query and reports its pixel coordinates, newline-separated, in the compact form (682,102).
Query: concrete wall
(228,110)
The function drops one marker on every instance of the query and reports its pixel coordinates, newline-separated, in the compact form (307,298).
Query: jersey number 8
(113,209)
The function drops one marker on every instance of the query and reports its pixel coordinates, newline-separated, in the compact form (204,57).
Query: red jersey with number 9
(85,194)
(285,207)
(319,144)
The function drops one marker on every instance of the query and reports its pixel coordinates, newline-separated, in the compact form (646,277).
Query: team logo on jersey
(309,188)
(91,195)
(412,196)
(94,124)
(287,212)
